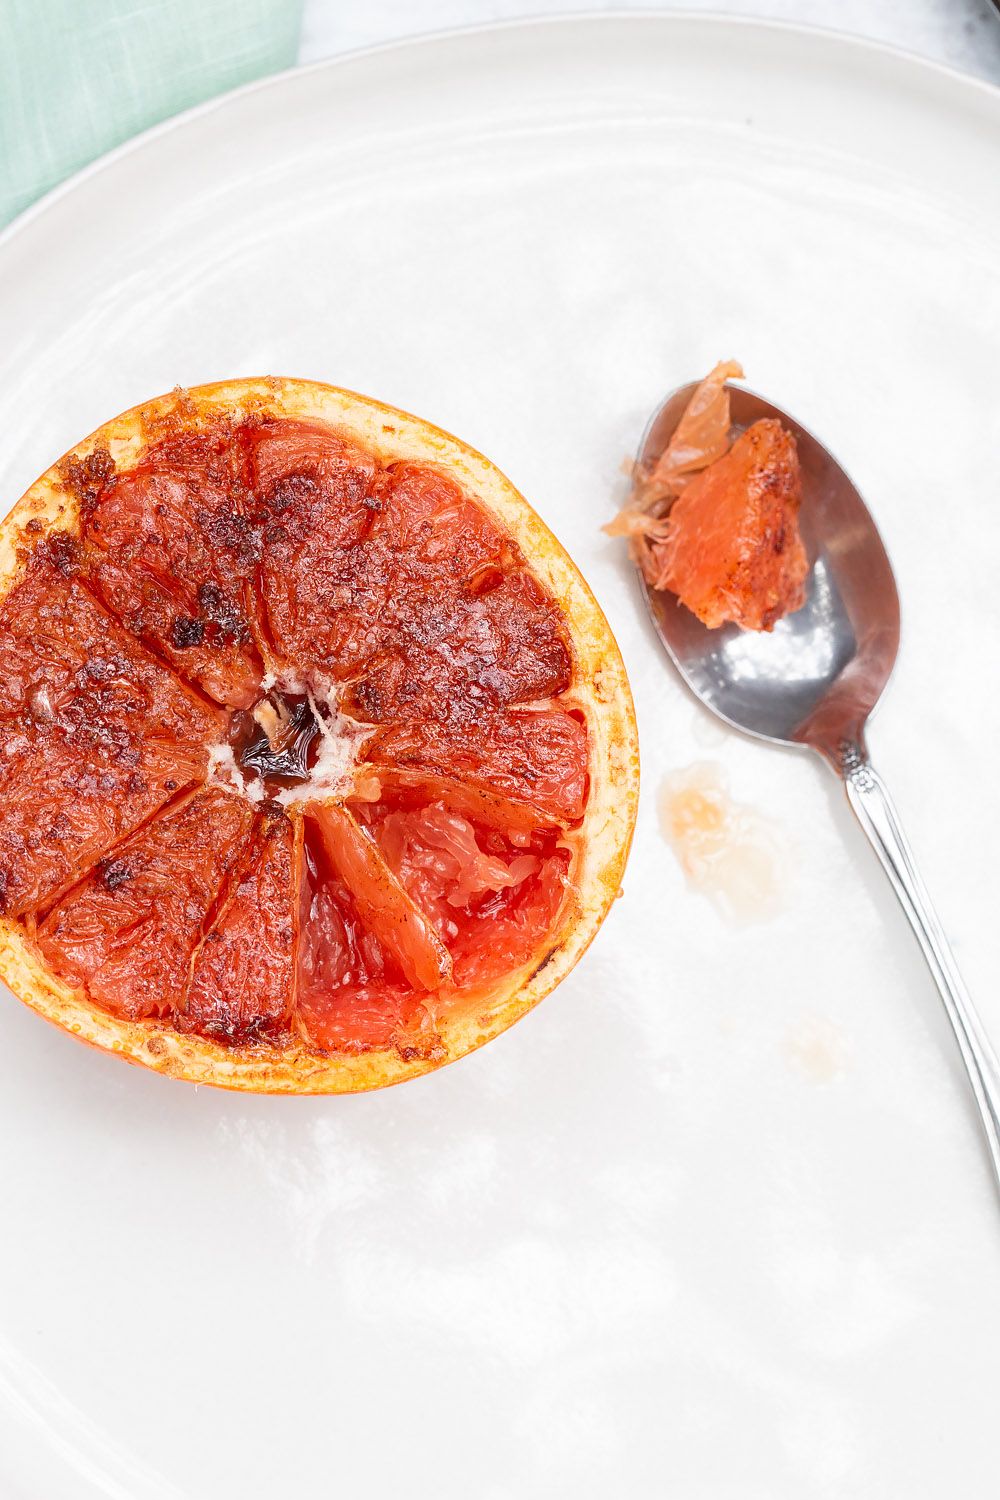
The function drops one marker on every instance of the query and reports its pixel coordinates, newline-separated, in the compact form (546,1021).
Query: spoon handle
(874,810)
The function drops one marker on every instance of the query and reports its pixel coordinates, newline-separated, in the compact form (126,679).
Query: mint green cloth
(79,76)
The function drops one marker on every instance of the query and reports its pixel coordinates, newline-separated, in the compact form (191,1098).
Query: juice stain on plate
(728,851)
(815,1048)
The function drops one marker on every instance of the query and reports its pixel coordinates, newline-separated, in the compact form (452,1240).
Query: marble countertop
(961,33)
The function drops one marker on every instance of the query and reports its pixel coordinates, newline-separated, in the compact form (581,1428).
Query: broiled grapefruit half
(318,762)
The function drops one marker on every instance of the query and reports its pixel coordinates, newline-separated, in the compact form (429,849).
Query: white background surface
(964,33)
(629,1248)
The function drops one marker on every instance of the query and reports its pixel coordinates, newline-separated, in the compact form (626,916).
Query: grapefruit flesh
(538,757)
(170,553)
(383,903)
(352,993)
(242,985)
(129,930)
(95,733)
(733,551)
(715,520)
(302,769)
(489,894)
(396,585)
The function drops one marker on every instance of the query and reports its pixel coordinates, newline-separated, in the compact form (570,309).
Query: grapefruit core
(318,762)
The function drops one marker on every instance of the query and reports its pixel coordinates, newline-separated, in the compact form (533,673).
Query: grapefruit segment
(242,988)
(352,995)
(127,932)
(733,551)
(379,1016)
(510,643)
(460,597)
(535,756)
(446,533)
(383,904)
(433,852)
(468,797)
(95,733)
(399,587)
(169,552)
(451,656)
(509,929)
(490,896)
(312,484)
(314,507)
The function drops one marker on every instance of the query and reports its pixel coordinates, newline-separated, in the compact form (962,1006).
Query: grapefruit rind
(599,690)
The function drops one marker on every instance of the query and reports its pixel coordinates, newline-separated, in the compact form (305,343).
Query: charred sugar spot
(60,551)
(98,669)
(87,477)
(34,526)
(292,489)
(231,532)
(545,961)
(186,631)
(222,613)
(156,1045)
(113,873)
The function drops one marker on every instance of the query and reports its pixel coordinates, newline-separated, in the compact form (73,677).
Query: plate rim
(716,22)
(712,25)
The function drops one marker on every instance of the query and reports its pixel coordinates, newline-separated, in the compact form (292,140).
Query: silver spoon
(813,682)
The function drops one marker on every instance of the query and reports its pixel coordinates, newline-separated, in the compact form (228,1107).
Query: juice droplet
(816,1049)
(728,851)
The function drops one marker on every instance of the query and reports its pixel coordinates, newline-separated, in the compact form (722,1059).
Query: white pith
(336,771)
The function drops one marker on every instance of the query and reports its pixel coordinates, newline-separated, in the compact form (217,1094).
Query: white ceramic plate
(635,1247)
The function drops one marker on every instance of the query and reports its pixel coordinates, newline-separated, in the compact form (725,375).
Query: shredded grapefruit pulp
(286,743)
(715,521)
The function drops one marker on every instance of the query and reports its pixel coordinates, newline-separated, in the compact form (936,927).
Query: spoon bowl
(814,680)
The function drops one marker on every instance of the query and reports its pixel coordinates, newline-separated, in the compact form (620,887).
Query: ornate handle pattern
(874,811)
